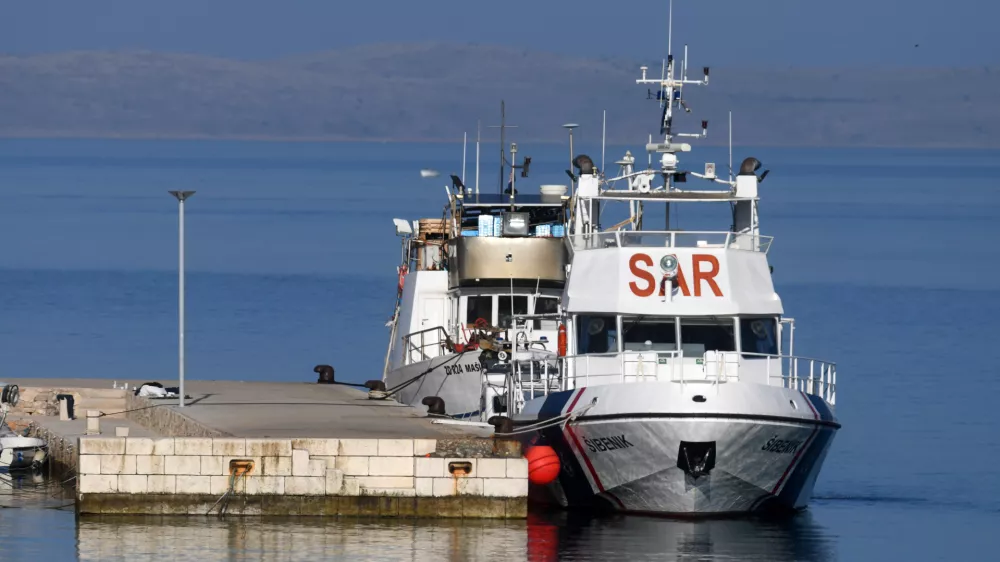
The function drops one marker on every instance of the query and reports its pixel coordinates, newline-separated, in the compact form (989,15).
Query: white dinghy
(17,452)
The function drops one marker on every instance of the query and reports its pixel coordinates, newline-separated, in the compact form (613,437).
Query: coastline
(68,135)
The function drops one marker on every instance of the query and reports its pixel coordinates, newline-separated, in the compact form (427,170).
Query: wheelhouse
(490,260)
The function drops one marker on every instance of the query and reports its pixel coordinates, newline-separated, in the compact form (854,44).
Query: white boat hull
(716,461)
(454,377)
(21,453)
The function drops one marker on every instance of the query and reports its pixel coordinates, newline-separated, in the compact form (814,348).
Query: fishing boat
(463,278)
(676,389)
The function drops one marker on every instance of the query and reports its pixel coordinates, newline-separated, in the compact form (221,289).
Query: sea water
(887,259)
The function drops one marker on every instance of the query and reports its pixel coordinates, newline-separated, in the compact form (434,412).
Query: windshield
(546,305)
(509,305)
(699,335)
(479,307)
(640,334)
(596,334)
(759,335)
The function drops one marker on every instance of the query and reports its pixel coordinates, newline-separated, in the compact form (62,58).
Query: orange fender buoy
(543,464)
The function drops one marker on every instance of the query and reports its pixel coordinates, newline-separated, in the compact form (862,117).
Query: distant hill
(437,91)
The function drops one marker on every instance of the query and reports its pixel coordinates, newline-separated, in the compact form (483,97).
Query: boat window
(596,334)
(546,305)
(642,333)
(699,335)
(479,307)
(507,303)
(759,335)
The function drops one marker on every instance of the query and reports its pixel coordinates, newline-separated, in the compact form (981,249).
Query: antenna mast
(503,125)
(503,128)
(730,146)
(671,87)
(604,138)
(670,31)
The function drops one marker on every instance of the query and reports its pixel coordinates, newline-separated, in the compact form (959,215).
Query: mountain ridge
(435,91)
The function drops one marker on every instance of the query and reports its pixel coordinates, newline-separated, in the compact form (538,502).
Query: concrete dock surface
(268,448)
(284,409)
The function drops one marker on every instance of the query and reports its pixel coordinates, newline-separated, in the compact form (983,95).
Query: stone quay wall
(373,477)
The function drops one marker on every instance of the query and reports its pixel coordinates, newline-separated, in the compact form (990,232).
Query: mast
(503,125)
(604,138)
(503,157)
(730,146)
(670,94)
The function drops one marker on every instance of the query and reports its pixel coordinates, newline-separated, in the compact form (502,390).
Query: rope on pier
(563,419)
(105,414)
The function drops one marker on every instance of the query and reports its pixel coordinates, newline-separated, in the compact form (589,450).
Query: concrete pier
(276,449)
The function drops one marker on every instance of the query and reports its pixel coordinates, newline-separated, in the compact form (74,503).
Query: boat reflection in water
(542,538)
(566,535)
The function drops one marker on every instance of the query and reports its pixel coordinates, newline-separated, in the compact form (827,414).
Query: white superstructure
(463,279)
(678,391)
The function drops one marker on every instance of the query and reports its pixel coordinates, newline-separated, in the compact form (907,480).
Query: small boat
(17,452)
(22,453)
(427,173)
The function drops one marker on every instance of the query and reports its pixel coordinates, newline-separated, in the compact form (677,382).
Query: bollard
(64,410)
(93,422)
(121,431)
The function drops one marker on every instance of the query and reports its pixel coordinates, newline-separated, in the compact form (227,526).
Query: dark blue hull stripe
(822,408)
(554,404)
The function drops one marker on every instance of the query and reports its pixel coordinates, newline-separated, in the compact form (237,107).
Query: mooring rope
(562,419)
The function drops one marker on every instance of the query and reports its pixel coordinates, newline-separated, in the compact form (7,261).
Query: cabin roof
(692,196)
(503,200)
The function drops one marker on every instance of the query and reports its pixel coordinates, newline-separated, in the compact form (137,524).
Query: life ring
(481,323)
(402,276)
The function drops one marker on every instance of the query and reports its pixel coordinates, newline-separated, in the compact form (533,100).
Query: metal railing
(671,239)
(812,376)
(420,342)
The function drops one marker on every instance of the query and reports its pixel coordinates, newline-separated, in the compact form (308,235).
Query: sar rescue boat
(677,391)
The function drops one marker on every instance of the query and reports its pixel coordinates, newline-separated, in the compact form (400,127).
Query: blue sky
(725,32)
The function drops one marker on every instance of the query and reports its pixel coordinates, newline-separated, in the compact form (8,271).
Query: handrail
(409,347)
(741,241)
(575,370)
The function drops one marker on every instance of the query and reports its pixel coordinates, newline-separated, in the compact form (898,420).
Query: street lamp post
(570,127)
(181,197)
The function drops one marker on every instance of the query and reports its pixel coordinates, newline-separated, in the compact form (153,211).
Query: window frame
(623,318)
(776,335)
(500,297)
(616,327)
(465,309)
(710,321)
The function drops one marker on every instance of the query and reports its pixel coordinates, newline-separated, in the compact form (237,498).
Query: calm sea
(886,259)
